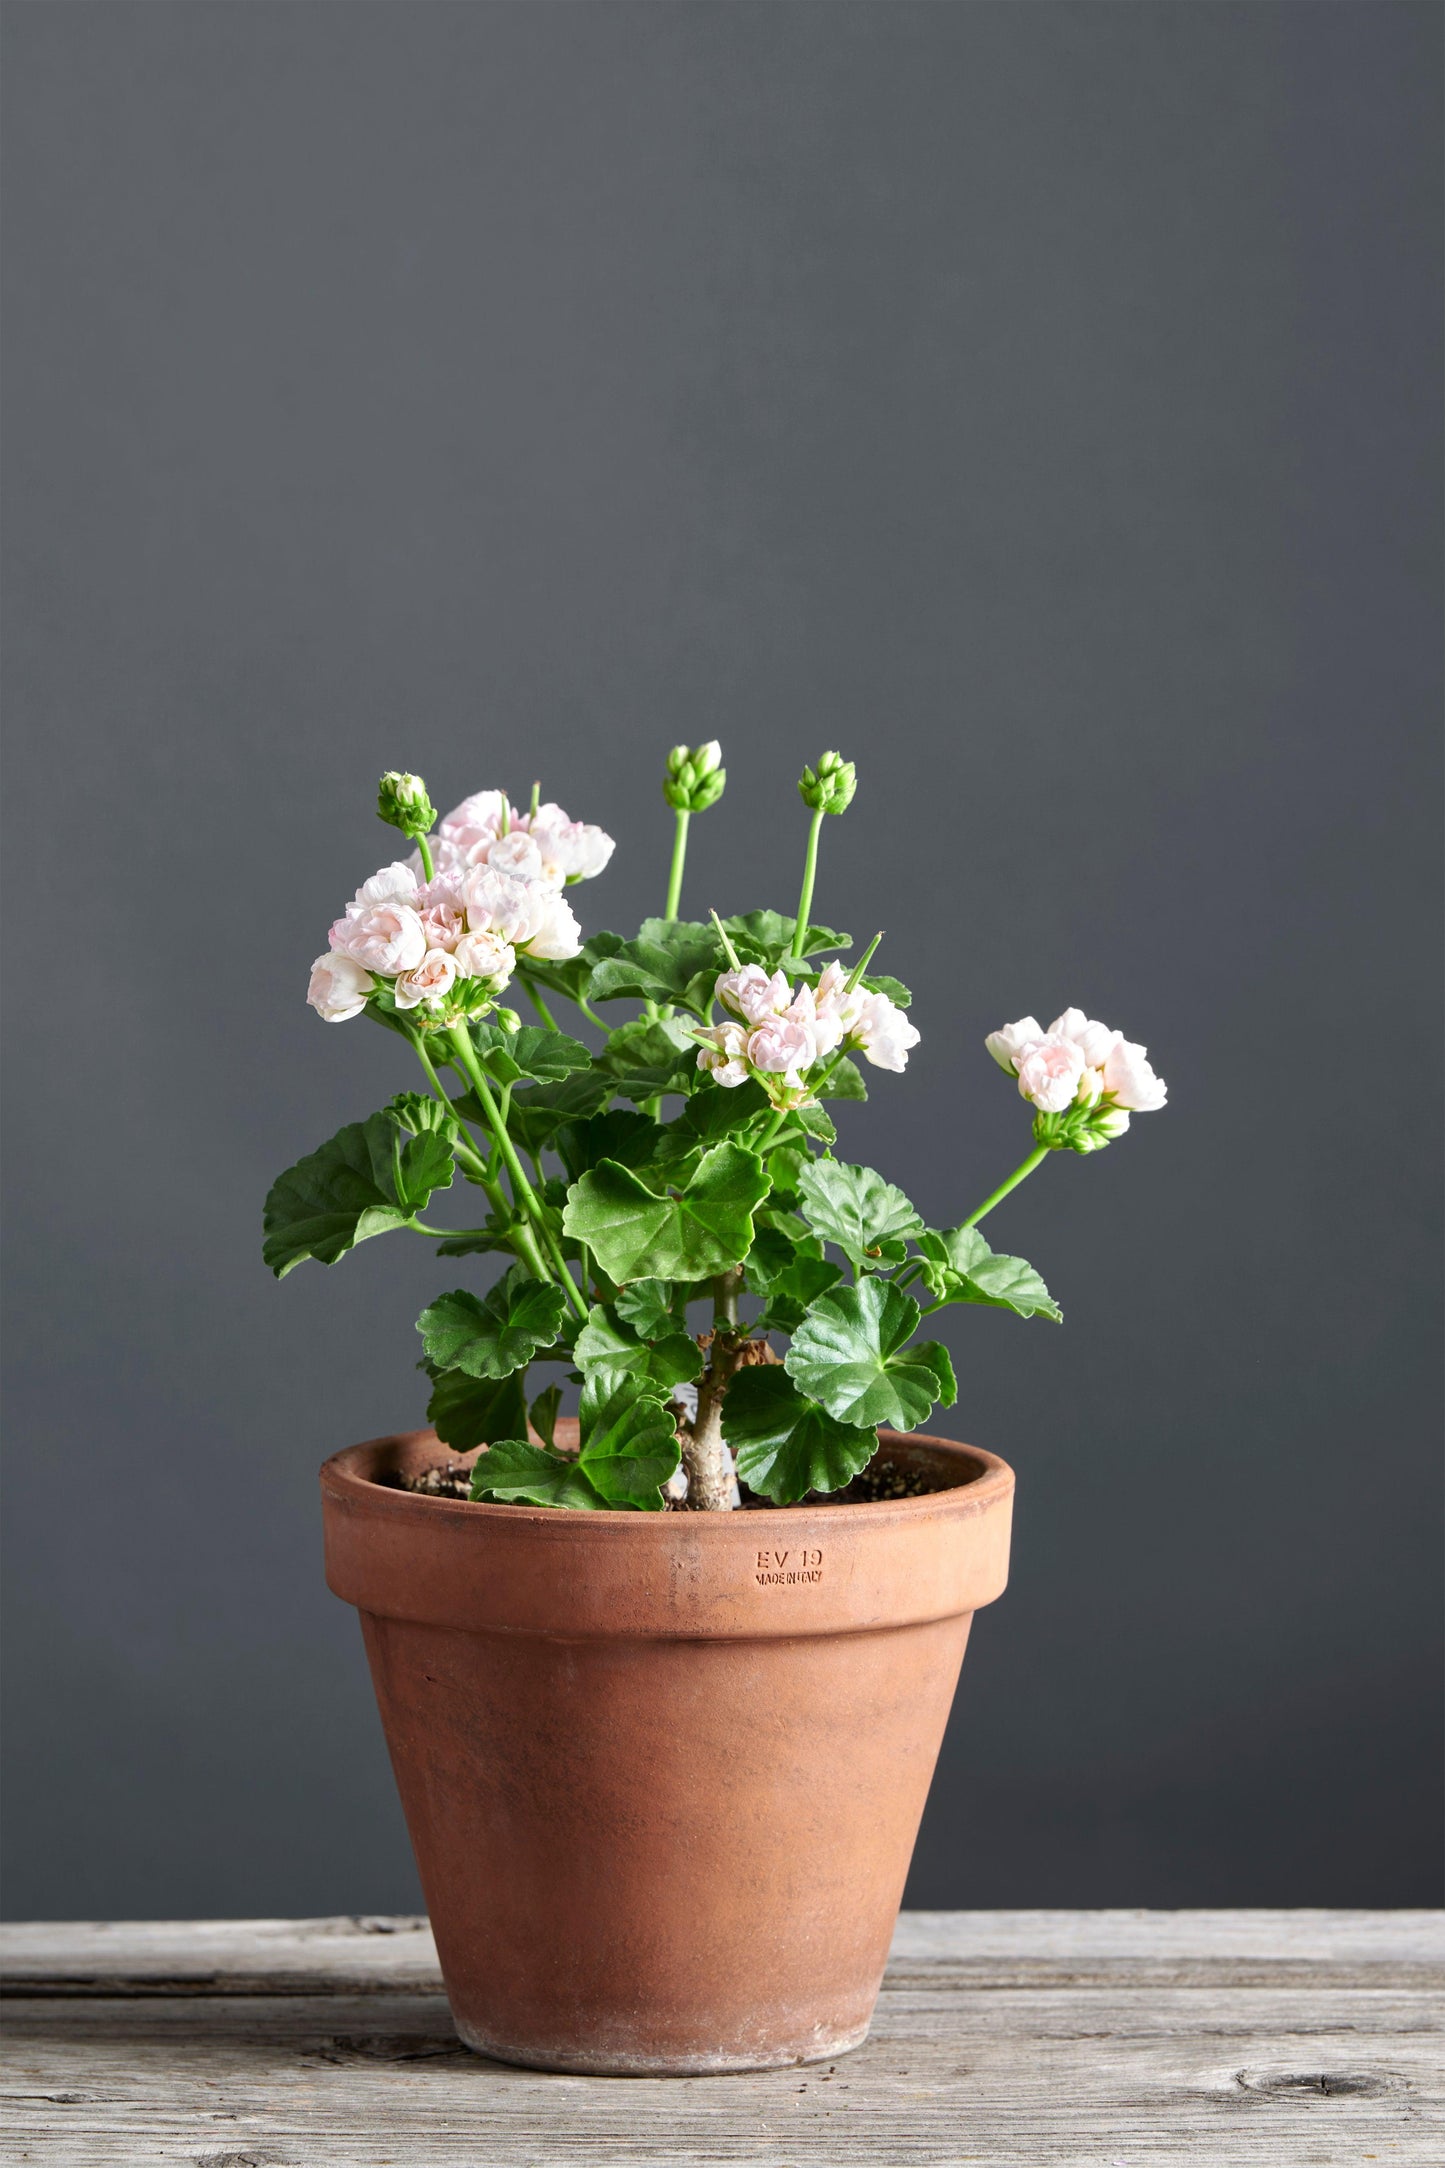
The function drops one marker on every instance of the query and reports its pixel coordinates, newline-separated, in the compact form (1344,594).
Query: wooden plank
(234,1957)
(1124,2040)
(372,1952)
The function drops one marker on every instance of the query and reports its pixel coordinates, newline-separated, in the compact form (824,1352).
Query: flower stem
(463,1147)
(781,1116)
(1036,1158)
(805,899)
(772,1129)
(426,860)
(674,897)
(527,1197)
(679,859)
(540,1005)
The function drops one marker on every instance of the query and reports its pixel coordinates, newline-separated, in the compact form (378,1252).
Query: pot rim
(342,1475)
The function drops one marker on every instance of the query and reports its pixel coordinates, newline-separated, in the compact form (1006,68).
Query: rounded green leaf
(867,1217)
(535,1053)
(519,1473)
(495,1336)
(849,1353)
(637,1233)
(607,1343)
(766,937)
(786,1445)
(466,1411)
(959,1266)
(370,1177)
(629,1442)
(650,1308)
(672,960)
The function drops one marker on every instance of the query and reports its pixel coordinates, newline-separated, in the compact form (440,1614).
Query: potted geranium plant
(663,1683)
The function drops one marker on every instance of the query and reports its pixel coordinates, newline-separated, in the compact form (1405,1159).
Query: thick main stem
(805,899)
(704,1454)
(424,848)
(1036,1158)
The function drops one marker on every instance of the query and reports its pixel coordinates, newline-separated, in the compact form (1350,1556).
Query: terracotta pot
(663,1772)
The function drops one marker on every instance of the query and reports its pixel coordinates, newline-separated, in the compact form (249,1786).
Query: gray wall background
(1037,402)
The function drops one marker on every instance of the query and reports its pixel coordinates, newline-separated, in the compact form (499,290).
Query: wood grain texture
(1117,2039)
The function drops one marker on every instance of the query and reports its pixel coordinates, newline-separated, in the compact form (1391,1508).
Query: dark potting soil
(881,1481)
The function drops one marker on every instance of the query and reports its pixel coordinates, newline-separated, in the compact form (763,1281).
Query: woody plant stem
(704,1455)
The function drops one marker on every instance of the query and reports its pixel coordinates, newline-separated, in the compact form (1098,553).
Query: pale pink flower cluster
(448,945)
(484,830)
(779,1036)
(1078,1062)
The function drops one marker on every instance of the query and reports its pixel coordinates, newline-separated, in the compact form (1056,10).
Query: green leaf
(710,1117)
(629,1442)
(638,1233)
(766,937)
(867,1217)
(543,1415)
(519,1473)
(774,1249)
(630,1139)
(649,1057)
(940,1362)
(648,1306)
(794,1292)
(672,960)
(895,989)
(536,1114)
(959,1266)
(787,1268)
(816,1124)
(370,1177)
(846,1082)
(533,1054)
(501,1333)
(382,1009)
(849,1353)
(786,1445)
(572,977)
(607,1343)
(466,1411)
(785,1163)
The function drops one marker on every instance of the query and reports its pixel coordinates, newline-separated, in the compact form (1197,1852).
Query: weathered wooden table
(1120,2039)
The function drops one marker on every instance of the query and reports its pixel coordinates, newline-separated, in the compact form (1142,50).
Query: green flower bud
(506,1020)
(695,777)
(1083,1127)
(829,787)
(402,802)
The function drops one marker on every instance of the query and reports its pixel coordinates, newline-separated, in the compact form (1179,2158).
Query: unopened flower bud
(507,1020)
(829,787)
(402,802)
(695,777)
(1091,1085)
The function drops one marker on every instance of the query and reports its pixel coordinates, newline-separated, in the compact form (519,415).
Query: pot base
(821,2047)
